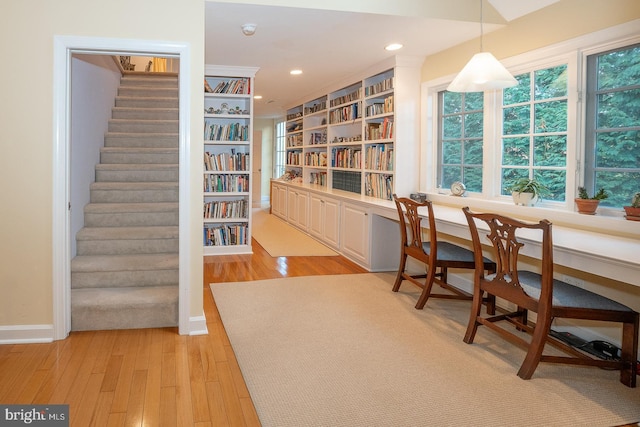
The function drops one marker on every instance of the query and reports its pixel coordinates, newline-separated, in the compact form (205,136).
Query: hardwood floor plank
(83,413)
(217,410)
(135,405)
(152,398)
(168,412)
(196,380)
(230,397)
(184,415)
(123,386)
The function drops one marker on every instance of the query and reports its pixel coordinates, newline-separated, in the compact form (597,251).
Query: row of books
(380,107)
(378,185)
(230,161)
(227,132)
(294,158)
(226,209)
(233,86)
(295,115)
(379,157)
(346,158)
(353,96)
(347,181)
(382,86)
(294,140)
(317,138)
(315,158)
(348,113)
(319,178)
(379,130)
(216,183)
(319,106)
(225,235)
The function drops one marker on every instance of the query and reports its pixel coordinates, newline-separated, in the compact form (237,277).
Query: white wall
(94,85)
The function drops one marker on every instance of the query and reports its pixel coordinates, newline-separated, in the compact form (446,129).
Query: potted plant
(633,211)
(527,191)
(588,205)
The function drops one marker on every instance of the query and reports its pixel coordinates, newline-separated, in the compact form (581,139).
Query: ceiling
(330,45)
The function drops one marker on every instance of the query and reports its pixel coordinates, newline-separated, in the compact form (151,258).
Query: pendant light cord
(481,27)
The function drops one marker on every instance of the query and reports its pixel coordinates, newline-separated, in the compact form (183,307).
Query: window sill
(607,246)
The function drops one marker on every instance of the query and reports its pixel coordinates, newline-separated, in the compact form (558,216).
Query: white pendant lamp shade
(482,72)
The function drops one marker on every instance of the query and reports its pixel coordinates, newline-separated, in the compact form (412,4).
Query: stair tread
(135,166)
(128,233)
(124,297)
(131,207)
(89,263)
(171,150)
(142,185)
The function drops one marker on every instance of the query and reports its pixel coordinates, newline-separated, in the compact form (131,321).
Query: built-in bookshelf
(227,138)
(362,137)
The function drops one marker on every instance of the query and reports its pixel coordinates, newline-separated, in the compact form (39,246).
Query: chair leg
(629,353)
(534,353)
(399,278)
(476,306)
(426,291)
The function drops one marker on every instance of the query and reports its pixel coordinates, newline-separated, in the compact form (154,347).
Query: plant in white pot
(633,210)
(527,191)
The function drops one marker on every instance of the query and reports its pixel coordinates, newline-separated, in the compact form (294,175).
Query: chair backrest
(411,224)
(506,246)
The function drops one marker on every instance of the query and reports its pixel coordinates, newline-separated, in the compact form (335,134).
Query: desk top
(600,253)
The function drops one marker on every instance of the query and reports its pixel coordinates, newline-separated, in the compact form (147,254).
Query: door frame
(64,48)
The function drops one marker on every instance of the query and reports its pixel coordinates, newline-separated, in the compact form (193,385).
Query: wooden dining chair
(542,294)
(437,255)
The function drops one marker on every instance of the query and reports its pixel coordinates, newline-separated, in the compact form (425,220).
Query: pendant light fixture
(482,72)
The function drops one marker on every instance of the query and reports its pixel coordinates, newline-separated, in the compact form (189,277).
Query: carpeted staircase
(125,273)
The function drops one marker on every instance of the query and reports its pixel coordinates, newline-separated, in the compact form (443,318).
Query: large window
(460,139)
(612,136)
(534,130)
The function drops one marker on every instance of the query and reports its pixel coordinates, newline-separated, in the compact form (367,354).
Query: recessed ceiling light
(295,72)
(393,46)
(257,97)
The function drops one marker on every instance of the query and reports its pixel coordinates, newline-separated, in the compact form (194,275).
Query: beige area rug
(281,239)
(344,350)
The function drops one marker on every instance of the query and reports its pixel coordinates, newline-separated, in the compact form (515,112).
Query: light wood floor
(152,377)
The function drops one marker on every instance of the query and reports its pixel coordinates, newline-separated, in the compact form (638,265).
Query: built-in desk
(612,256)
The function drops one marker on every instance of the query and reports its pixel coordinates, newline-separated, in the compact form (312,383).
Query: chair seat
(450,252)
(566,295)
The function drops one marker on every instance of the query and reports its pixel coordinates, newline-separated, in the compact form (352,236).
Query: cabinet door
(355,233)
(316,216)
(302,202)
(332,222)
(292,206)
(279,202)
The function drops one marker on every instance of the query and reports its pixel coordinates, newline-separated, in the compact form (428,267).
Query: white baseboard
(198,325)
(26,334)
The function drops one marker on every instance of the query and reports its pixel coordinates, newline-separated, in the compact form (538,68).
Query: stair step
(141,126)
(124,308)
(146,81)
(148,91)
(130,113)
(133,192)
(130,214)
(112,271)
(125,172)
(127,240)
(147,140)
(156,102)
(139,155)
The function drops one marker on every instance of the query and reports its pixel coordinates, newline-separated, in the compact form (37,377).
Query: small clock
(458,189)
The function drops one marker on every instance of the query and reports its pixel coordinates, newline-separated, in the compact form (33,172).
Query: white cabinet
(279,200)
(228,127)
(324,219)
(356,224)
(297,208)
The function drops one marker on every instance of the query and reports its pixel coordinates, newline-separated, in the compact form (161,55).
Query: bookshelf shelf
(368,129)
(227,138)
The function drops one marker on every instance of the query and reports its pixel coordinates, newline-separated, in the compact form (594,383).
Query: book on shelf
(225,235)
